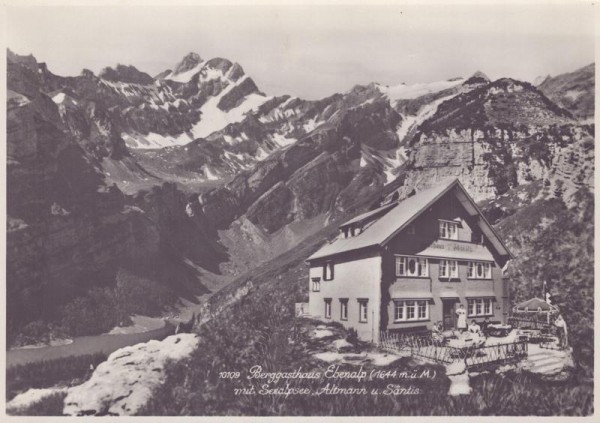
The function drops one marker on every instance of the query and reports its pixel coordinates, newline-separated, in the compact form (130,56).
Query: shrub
(96,312)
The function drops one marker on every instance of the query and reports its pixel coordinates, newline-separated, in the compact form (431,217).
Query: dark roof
(366,216)
(398,217)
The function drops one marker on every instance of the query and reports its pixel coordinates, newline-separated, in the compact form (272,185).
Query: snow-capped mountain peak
(190,61)
(410,91)
(183,71)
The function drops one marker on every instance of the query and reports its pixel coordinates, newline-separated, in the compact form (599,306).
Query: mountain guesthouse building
(408,265)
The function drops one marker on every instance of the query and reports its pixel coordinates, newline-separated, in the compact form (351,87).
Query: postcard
(299,209)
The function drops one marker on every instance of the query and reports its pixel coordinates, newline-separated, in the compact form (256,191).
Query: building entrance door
(448,314)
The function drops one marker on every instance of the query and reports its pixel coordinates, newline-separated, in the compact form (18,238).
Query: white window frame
(343,308)
(478,307)
(316,284)
(363,310)
(448,229)
(445,269)
(417,308)
(472,270)
(328,271)
(327,307)
(421,268)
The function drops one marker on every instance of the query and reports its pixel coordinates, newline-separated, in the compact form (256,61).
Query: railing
(393,342)
(551,344)
(423,346)
(495,355)
(528,323)
(437,351)
(429,348)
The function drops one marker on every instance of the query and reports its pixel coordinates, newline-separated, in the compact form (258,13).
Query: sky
(313,51)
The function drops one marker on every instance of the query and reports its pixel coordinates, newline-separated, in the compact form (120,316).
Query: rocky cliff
(172,185)
(494,138)
(69,230)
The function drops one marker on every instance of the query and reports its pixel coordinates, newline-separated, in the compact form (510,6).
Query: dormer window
(328,271)
(476,237)
(448,229)
(350,231)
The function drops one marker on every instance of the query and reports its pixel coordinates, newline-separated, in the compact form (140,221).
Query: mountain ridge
(267,172)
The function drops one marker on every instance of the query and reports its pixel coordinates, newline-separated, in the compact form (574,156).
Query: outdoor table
(499,330)
(466,341)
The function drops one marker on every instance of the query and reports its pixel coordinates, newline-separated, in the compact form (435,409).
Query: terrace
(498,348)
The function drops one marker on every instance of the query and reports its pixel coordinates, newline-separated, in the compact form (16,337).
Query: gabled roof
(397,218)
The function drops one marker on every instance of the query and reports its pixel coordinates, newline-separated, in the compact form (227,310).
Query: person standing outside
(562,326)
(461,322)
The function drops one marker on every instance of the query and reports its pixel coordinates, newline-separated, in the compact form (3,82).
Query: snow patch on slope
(410,122)
(59,98)
(210,176)
(283,141)
(404,91)
(153,140)
(185,76)
(214,119)
(312,124)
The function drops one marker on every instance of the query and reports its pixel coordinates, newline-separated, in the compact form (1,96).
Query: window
(411,266)
(479,270)
(343,308)
(411,310)
(479,307)
(399,311)
(476,237)
(363,311)
(316,284)
(328,271)
(448,269)
(448,230)
(350,231)
(487,306)
(328,308)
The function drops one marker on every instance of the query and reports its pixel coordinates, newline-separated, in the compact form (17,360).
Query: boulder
(125,381)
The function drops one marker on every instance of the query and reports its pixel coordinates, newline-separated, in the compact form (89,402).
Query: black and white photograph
(298,208)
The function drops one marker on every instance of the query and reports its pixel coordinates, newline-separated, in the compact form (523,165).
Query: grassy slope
(261,329)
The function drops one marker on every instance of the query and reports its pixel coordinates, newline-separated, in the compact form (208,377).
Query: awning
(448,293)
(480,293)
(411,295)
(456,250)
(535,305)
